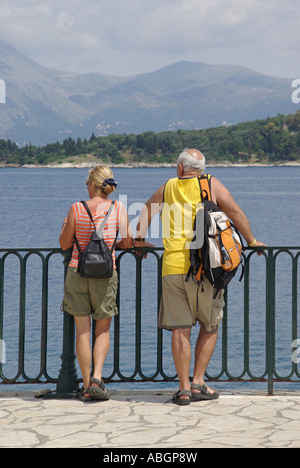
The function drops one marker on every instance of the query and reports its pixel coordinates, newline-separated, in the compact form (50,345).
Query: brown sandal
(204,393)
(182,401)
(81,395)
(98,392)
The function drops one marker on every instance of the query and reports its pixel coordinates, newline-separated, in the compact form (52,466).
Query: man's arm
(126,241)
(223,198)
(150,209)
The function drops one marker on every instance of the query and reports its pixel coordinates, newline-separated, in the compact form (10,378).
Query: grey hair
(190,163)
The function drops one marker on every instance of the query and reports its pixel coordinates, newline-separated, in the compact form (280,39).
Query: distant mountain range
(44,105)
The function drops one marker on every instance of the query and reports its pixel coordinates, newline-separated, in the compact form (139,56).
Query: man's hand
(141,244)
(257,244)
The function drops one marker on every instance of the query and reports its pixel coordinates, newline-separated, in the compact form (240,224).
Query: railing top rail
(58,250)
(31,249)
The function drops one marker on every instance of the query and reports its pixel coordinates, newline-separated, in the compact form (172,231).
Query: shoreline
(141,165)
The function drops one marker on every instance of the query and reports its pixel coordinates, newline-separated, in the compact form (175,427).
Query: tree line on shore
(272,140)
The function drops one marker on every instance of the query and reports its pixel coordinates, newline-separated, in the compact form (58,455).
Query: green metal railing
(257,343)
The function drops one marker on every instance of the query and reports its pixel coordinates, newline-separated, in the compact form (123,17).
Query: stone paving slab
(148,419)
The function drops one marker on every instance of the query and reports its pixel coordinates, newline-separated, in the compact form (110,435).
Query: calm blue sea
(33,203)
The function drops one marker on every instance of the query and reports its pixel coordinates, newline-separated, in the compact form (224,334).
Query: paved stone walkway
(150,420)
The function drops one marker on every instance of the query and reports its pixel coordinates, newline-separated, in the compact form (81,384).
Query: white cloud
(134,36)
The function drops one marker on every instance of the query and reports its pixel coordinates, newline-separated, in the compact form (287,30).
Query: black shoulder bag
(96,260)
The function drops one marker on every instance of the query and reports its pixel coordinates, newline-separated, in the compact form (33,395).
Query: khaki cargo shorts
(178,308)
(90,296)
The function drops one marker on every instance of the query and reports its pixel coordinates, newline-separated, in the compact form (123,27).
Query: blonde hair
(98,175)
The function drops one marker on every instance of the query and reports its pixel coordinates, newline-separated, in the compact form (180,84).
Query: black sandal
(182,401)
(81,394)
(204,393)
(99,392)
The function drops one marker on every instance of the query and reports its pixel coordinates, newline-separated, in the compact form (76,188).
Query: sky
(129,37)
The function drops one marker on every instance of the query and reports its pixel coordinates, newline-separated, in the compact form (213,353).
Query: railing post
(270,320)
(138,313)
(1,315)
(66,385)
(67,379)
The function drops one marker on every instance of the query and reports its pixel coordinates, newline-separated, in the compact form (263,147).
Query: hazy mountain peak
(45,105)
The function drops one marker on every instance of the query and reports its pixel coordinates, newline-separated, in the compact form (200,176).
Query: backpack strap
(88,212)
(76,242)
(205,186)
(100,230)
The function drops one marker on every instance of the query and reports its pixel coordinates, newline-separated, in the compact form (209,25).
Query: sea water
(33,205)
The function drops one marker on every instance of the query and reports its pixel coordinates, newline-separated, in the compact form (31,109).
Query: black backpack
(220,254)
(96,260)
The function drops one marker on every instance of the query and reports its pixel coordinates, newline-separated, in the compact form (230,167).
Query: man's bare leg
(181,348)
(204,349)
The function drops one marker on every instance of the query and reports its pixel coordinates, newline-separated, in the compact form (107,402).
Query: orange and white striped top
(84,228)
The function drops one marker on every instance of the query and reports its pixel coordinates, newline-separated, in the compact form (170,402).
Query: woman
(96,297)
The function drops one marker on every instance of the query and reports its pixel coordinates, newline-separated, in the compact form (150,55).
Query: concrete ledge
(149,419)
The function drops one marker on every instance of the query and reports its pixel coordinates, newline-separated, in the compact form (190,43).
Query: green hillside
(273,140)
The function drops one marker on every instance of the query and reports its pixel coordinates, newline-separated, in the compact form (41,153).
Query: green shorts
(180,308)
(90,296)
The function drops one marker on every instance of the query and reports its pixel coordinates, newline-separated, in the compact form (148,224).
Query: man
(183,303)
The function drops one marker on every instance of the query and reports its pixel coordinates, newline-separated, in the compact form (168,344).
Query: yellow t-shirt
(182,199)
